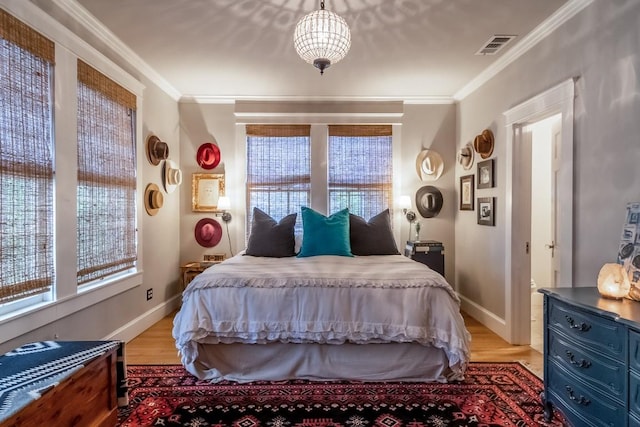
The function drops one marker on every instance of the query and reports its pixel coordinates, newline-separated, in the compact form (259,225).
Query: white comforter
(322,299)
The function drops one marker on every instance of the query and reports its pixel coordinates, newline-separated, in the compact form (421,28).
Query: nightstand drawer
(581,404)
(607,375)
(601,335)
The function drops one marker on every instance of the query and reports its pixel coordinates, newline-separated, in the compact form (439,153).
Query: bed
(366,318)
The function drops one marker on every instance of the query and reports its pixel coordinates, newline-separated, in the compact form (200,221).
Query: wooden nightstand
(427,252)
(192,269)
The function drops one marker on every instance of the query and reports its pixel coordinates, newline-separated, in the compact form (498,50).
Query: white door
(557,100)
(544,138)
(556,146)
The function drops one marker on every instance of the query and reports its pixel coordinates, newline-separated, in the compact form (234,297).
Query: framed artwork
(206,188)
(485,174)
(486,215)
(466,193)
(629,249)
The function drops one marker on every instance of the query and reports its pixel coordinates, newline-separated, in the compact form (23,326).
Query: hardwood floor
(156,346)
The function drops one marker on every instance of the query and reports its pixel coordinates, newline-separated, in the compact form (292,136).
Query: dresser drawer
(580,404)
(634,350)
(634,393)
(603,373)
(600,334)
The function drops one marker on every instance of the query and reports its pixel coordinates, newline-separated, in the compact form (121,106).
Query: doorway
(546,136)
(558,100)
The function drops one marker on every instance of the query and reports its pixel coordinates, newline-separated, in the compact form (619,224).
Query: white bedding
(323,299)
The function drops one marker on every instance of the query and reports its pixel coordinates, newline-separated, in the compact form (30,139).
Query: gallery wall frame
(486,176)
(467,192)
(206,189)
(486,211)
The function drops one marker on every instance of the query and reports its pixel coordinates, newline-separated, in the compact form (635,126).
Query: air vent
(494,44)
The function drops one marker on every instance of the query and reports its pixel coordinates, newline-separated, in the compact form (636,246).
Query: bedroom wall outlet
(149,293)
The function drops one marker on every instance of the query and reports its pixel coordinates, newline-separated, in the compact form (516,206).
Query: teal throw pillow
(324,235)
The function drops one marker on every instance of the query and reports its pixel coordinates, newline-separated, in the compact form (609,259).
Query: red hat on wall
(208,156)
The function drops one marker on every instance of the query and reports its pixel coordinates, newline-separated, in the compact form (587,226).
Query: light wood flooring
(156,346)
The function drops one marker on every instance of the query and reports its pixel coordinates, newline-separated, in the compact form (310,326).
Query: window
(26,161)
(360,175)
(106,176)
(278,170)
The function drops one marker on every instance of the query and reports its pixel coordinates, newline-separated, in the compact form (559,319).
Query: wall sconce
(405,205)
(613,281)
(224,204)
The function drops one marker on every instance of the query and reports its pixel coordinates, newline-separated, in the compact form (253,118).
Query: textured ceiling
(402,49)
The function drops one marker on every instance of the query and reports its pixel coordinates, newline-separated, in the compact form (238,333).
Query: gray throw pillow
(269,238)
(374,237)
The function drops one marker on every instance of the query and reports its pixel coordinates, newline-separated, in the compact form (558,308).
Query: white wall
(201,123)
(599,46)
(422,126)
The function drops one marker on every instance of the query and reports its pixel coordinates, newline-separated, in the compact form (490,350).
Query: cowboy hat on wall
(429,165)
(171,176)
(429,201)
(156,150)
(483,144)
(153,199)
(466,156)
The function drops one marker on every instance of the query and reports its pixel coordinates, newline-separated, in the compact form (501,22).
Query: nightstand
(427,252)
(192,269)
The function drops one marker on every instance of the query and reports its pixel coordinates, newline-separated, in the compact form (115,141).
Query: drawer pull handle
(579,400)
(581,364)
(583,327)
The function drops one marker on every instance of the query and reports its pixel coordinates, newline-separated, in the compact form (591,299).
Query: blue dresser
(591,357)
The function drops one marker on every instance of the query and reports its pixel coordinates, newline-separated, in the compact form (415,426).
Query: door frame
(557,100)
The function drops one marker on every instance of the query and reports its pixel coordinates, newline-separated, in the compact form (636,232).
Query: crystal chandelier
(322,38)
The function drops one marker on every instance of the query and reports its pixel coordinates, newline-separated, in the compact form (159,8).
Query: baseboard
(143,322)
(496,324)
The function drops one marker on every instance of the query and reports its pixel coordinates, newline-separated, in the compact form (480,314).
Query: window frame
(286,131)
(341,133)
(68,298)
(319,147)
(32,279)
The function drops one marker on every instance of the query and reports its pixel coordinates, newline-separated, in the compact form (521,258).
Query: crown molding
(98,29)
(562,15)
(230,99)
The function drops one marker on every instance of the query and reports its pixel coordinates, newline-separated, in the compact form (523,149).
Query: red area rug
(493,394)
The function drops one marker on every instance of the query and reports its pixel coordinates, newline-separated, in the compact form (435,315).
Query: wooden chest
(86,398)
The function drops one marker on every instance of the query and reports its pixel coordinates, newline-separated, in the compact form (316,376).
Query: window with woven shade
(360,172)
(106,176)
(26,161)
(278,170)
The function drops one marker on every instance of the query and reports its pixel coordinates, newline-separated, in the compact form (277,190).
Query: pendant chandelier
(322,38)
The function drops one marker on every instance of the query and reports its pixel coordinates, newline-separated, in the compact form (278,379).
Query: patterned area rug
(493,394)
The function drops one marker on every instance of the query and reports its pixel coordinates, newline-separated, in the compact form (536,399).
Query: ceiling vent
(494,44)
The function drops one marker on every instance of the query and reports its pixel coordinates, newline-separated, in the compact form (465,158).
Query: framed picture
(466,193)
(485,174)
(486,207)
(206,188)
(629,249)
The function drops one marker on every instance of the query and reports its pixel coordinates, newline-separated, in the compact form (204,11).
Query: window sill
(23,321)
